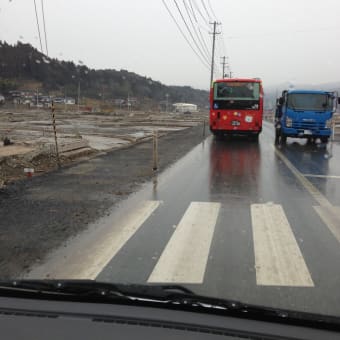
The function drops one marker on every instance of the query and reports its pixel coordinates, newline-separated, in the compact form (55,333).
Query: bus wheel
(217,135)
(255,137)
(324,140)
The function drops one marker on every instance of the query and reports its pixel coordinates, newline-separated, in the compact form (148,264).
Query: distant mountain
(22,63)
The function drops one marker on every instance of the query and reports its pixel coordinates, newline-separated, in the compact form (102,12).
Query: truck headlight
(289,122)
(329,123)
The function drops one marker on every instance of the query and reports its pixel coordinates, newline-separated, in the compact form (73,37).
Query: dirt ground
(79,135)
(40,214)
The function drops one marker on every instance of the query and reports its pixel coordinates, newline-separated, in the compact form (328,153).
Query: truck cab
(304,114)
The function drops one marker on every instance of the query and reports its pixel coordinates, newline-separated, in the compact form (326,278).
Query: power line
(192,11)
(36,15)
(43,15)
(200,13)
(184,36)
(204,47)
(198,26)
(206,10)
(221,44)
(222,38)
(212,10)
(189,30)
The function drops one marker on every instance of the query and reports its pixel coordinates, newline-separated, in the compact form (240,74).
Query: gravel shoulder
(40,214)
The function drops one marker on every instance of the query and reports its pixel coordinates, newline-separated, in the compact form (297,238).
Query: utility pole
(213,52)
(65,98)
(167,102)
(78,94)
(55,135)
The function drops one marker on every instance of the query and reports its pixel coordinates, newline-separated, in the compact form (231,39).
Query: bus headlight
(329,123)
(289,122)
(248,119)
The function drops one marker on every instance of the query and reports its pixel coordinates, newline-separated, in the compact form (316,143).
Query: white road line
(329,214)
(331,217)
(278,259)
(317,195)
(322,176)
(84,258)
(185,257)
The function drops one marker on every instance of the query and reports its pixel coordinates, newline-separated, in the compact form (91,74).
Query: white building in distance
(184,107)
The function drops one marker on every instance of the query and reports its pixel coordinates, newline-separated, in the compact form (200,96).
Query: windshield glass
(312,102)
(149,142)
(236,91)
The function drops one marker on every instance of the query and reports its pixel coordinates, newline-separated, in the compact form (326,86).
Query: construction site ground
(79,135)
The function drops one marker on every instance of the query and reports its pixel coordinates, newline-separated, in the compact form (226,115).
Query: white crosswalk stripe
(185,257)
(278,259)
(184,260)
(92,257)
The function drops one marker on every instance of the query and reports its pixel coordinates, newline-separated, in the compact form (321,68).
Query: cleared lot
(79,135)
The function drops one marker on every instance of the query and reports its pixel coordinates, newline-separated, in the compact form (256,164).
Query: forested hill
(21,63)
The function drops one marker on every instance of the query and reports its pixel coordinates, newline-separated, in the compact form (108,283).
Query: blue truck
(305,114)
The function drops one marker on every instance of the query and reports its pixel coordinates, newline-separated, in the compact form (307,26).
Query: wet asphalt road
(233,219)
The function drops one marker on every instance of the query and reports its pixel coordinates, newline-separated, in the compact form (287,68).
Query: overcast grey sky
(278,41)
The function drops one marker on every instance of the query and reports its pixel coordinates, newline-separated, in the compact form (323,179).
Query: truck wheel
(310,140)
(277,136)
(324,140)
(283,139)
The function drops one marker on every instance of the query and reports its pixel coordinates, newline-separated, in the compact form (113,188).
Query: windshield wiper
(91,288)
(164,296)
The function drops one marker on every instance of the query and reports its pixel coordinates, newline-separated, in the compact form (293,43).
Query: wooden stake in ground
(155,151)
(55,135)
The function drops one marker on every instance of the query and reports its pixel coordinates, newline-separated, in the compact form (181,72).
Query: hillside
(22,65)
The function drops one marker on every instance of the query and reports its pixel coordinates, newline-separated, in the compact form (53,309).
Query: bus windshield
(309,101)
(237,91)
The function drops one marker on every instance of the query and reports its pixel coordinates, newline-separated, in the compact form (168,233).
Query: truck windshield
(237,91)
(309,101)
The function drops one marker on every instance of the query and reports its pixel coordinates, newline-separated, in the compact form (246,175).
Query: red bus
(236,107)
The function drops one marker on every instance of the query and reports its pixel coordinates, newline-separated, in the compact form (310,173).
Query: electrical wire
(190,33)
(184,36)
(200,13)
(202,43)
(36,15)
(221,43)
(212,10)
(206,10)
(199,27)
(43,15)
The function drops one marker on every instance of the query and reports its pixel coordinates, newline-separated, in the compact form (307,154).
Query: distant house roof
(184,104)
